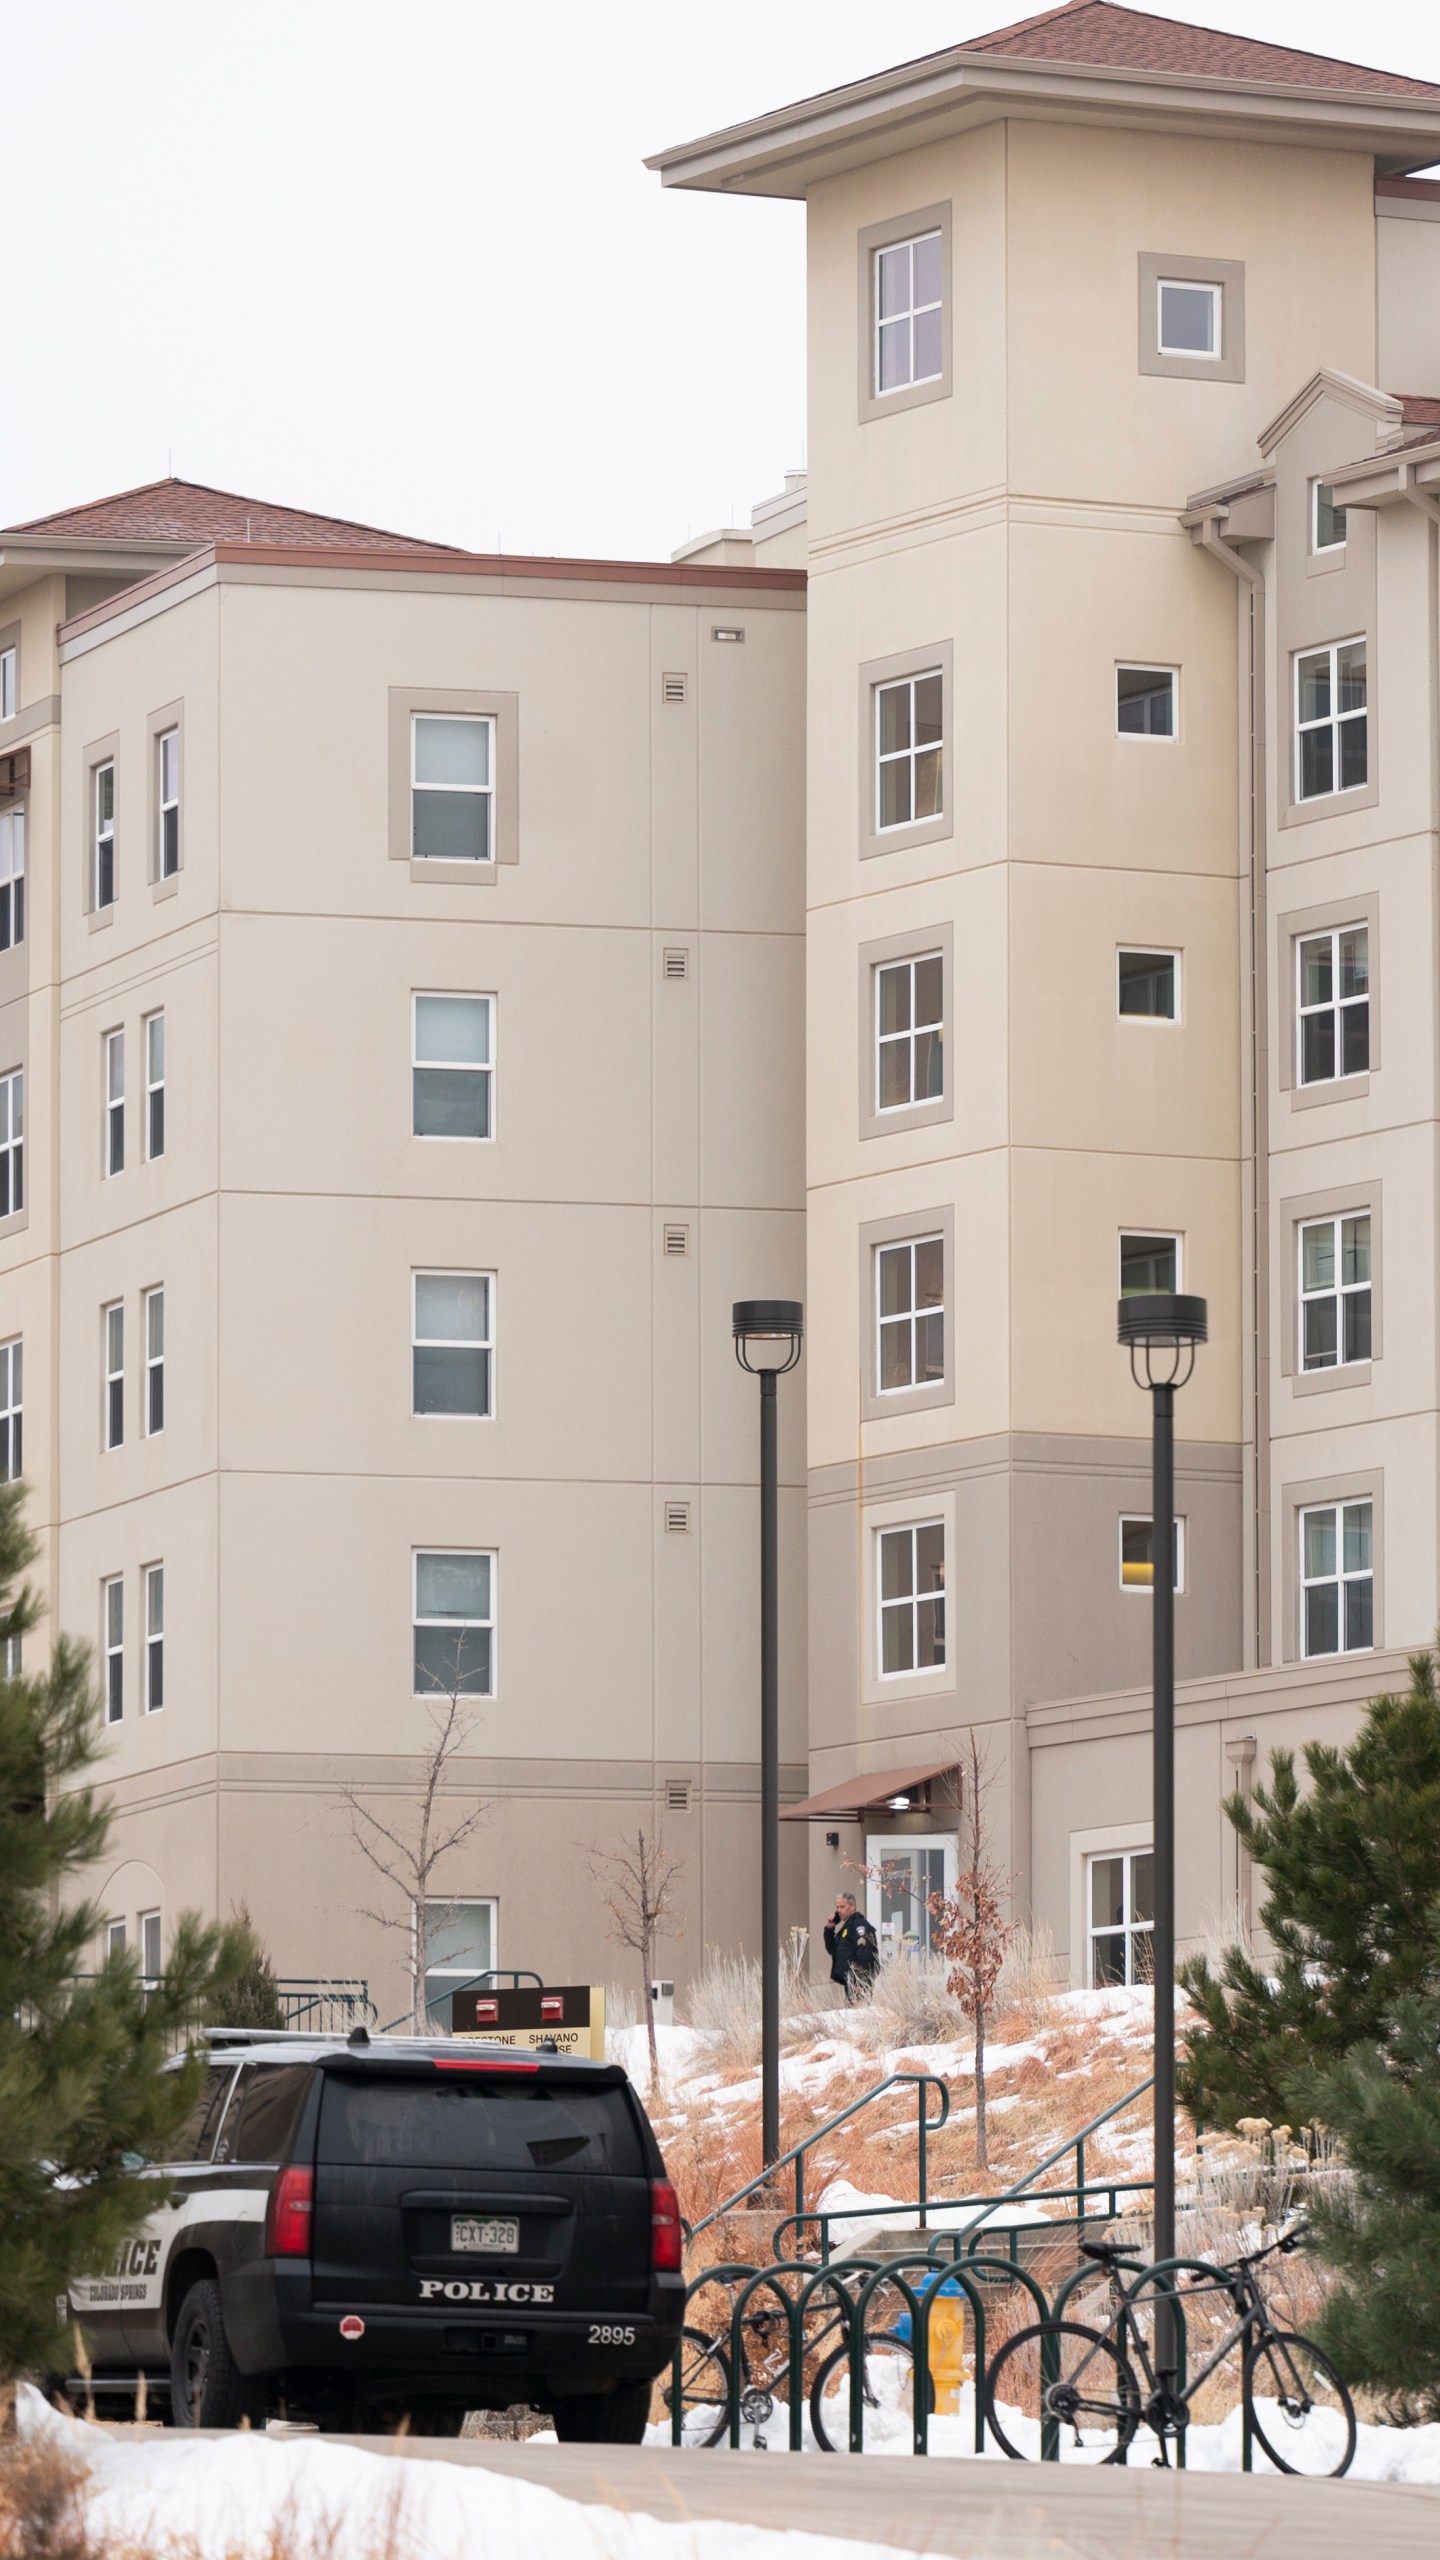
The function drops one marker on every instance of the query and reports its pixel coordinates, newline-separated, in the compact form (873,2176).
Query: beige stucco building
(1123,475)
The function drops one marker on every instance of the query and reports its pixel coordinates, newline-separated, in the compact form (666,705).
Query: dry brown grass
(44,2493)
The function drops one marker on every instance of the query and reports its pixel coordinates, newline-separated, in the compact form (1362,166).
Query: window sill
(1314,1382)
(879,1406)
(908,1115)
(1306,1097)
(99,918)
(475,874)
(166,888)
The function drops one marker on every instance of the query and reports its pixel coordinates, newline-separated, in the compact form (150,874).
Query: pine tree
(1381,2233)
(83,2092)
(255,1998)
(1353,1870)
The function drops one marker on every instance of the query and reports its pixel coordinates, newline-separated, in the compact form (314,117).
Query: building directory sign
(567,2019)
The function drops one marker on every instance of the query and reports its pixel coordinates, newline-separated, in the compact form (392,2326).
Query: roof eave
(788,151)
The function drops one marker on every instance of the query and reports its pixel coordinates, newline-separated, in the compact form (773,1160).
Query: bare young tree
(407,1853)
(638,1885)
(969,1929)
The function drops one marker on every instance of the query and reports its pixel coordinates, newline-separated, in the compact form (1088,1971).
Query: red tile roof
(1417,409)
(186,511)
(1098,32)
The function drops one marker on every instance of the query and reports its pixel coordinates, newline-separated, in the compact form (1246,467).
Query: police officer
(853,1949)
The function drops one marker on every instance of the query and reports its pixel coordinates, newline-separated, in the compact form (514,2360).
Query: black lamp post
(768,1335)
(1161,1334)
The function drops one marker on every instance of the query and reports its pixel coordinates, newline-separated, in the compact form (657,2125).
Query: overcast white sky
(403,263)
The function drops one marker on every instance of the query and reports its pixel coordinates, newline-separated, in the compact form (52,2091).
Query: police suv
(363,2232)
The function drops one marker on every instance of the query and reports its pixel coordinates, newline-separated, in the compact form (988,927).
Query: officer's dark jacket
(852,1947)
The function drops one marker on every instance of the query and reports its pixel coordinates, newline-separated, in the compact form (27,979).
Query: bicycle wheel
(1300,2410)
(704,2389)
(1066,2375)
(889,2393)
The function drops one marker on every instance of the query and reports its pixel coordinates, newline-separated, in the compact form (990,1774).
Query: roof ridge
(71,518)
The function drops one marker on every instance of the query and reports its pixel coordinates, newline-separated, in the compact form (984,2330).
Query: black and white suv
(361,2232)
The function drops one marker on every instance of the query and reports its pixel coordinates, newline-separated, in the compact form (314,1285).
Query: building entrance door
(906,1871)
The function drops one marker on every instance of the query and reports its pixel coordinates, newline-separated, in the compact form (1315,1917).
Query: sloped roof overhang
(792,149)
(867,1790)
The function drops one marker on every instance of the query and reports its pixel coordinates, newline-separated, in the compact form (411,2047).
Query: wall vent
(677,1239)
(672,687)
(676,963)
(677,1518)
(727,631)
(677,1795)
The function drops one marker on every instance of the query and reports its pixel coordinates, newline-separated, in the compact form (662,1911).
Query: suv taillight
(287,2223)
(667,2239)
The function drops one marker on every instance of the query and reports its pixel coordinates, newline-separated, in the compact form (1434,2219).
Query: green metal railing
(796,2157)
(326,2004)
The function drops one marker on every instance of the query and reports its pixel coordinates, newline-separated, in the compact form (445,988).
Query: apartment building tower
(1124,472)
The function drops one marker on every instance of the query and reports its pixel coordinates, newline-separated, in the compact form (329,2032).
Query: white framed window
(1145,702)
(1337,1578)
(902,1874)
(12,1410)
(10,1657)
(152,1316)
(112,1629)
(1332,1007)
(167,803)
(909,1314)
(908,319)
(12,1142)
(1187,318)
(12,878)
(1327,521)
(910,1031)
(103,822)
(1137,1553)
(909,750)
(1334,1291)
(461,1943)
(114,1102)
(1149,1266)
(451,1342)
(1331,720)
(112,1320)
(452,786)
(1147,986)
(154,1581)
(153,1027)
(452,1066)
(114,1937)
(1120,1918)
(9,682)
(911,1585)
(147,1927)
(454,1624)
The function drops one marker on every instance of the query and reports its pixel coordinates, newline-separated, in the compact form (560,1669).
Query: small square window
(1137,1553)
(1145,702)
(1327,521)
(1149,1266)
(1148,985)
(1188,318)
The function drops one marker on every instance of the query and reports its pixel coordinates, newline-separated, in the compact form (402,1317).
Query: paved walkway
(977,2510)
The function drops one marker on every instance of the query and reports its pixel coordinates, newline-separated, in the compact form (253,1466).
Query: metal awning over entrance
(870,1790)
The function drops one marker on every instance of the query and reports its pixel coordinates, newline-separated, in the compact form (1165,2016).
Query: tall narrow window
(114,1322)
(1149,1266)
(1333,1007)
(452,788)
(12,878)
(112,1616)
(148,1925)
(454,1626)
(12,1142)
(154,1638)
(114,1937)
(910,1313)
(167,803)
(12,1419)
(1337,1578)
(1328,528)
(908,320)
(912,1598)
(451,1343)
(152,1306)
(9,683)
(1334,1292)
(154,1086)
(1331,720)
(1121,1918)
(114,1102)
(909,750)
(909,1032)
(104,824)
(452,1067)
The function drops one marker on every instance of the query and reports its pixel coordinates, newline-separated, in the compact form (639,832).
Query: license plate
(494,2238)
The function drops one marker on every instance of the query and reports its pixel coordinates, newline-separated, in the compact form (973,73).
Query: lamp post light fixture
(768,1336)
(1161,1334)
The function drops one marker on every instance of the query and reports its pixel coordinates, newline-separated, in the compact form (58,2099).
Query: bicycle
(1089,2391)
(705,2378)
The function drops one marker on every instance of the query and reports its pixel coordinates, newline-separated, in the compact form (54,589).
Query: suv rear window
(434,2124)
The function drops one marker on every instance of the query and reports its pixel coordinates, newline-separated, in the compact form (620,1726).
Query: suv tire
(207,2388)
(603,2417)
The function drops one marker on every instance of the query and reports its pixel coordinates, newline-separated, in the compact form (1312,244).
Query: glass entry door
(906,1871)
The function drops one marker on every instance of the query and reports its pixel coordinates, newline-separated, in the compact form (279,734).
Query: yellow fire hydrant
(947,2350)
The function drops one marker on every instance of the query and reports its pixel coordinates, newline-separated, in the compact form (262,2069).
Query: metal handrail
(1027,2185)
(925,2125)
(986,2229)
